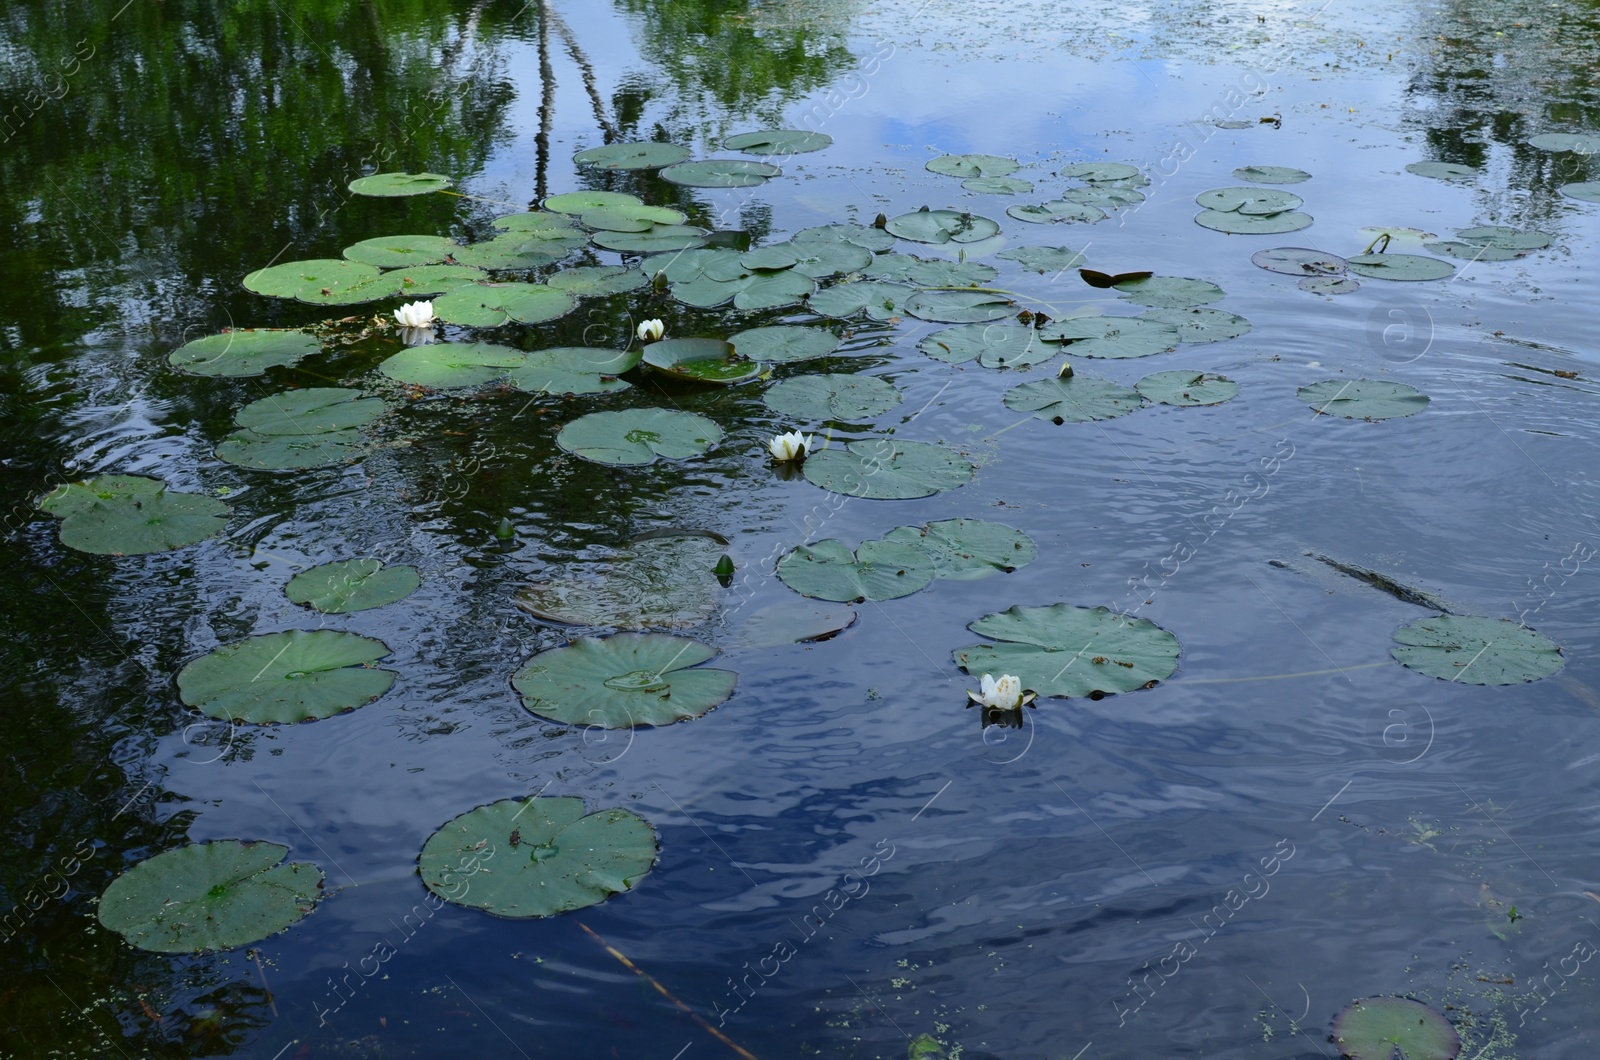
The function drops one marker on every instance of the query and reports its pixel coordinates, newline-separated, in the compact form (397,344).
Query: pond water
(850,859)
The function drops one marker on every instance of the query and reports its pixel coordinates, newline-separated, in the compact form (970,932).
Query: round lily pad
(581,202)
(1272,174)
(1411,267)
(573,370)
(907,268)
(887,469)
(1492,243)
(880,301)
(1104,197)
(998,185)
(537,856)
(235,354)
(423,280)
(1187,388)
(391,185)
(958,307)
(1057,211)
(777,142)
(452,364)
(1199,324)
(261,452)
(314,410)
(1044,259)
(816,259)
(1113,337)
(521,251)
(994,345)
(1252,224)
(654,240)
(638,436)
(1069,651)
(491,305)
(343,586)
(125,515)
(1476,651)
(966,549)
(1377,1027)
(720,173)
(783,343)
(1299,261)
(1169,292)
(1258,202)
(286,677)
(942,226)
(878,570)
(1582,143)
(642,155)
(209,896)
(973,166)
(873,239)
(701,361)
(590,281)
(1103,172)
(552,220)
(640,218)
(659,583)
(1584,191)
(394,252)
(319,278)
(1442,170)
(623,681)
(1075,399)
(1363,399)
(846,398)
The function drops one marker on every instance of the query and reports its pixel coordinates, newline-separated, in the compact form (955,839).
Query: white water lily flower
(415,315)
(651,330)
(791,446)
(1003,694)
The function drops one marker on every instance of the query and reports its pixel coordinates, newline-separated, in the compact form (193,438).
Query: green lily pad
(1272,174)
(1584,191)
(1329,284)
(209,896)
(942,226)
(657,583)
(1104,172)
(1187,388)
(521,251)
(575,203)
(395,252)
(1113,337)
(818,260)
(317,278)
(998,185)
(638,436)
(592,281)
(879,300)
(623,681)
(452,364)
(1476,651)
(907,268)
(1106,197)
(701,361)
(1199,324)
(1456,248)
(783,343)
(1044,259)
(1063,211)
(314,410)
(1299,261)
(642,155)
(777,142)
(1363,399)
(343,586)
(1242,224)
(494,304)
(1257,202)
(537,856)
(553,223)
(1492,243)
(1169,292)
(991,345)
(973,166)
(1068,651)
(1454,171)
(631,218)
(236,354)
(425,280)
(392,185)
(878,570)
(967,549)
(866,236)
(280,678)
(573,370)
(845,398)
(1376,1027)
(720,173)
(261,452)
(1075,399)
(657,239)
(126,515)
(1582,143)
(887,469)
(958,307)
(1408,267)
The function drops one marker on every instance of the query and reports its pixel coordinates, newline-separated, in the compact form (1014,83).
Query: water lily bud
(651,330)
(415,315)
(1065,373)
(503,530)
(791,446)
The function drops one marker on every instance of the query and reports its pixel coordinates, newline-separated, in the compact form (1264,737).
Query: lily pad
(777,142)
(1376,1027)
(1169,292)
(1410,267)
(552,222)
(521,251)
(1453,171)
(1363,399)
(880,301)
(873,239)
(1585,191)
(846,398)
(1582,143)
(1114,337)
(1476,651)
(991,345)
(1105,197)
(343,586)
(973,166)
(658,583)
(958,307)
(1044,259)
(655,240)
(641,155)
(1075,399)
(1300,261)
(1103,172)
(393,185)
(936,272)
(424,280)
(1253,224)
(720,173)
(396,252)
(1256,202)
(998,185)
(126,515)
(1187,388)
(314,410)
(315,278)
(967,549)
(1200,324)
(631,218)
(209,896)
(623,681)
(1514,241)
(452,364)
(701,361)
(1272,174)
(591,281)
(236,354)
(1063,211)
(261,452)
(816,259)
(638,436)
(488,305)
(783,343)
(888,469)
(575,203)
(942,226)
(878,570)
(573,370)
(1329,284)
(1069,651)
(280,678)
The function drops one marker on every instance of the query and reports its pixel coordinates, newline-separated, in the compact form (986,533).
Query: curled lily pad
(393,252)
(124,515)
(1476,651)
(659,583)
(286,677)
(623,681)
(1063,211)
(777,142)
(1410,267)
(996,345)
(488,305)
(888,469)
(701,361)
(1363,399)
(537,856)
(235,354)
(590,281)
(1075,399)
(958,307)
(343,586)
(1584,191)
(391,185)
(942,226)
(1272,174)
(998,185)
(973,166)
(1044,259)
(1068,651)
(873,239)
(720,173)
(573,370)
(1582,143)
(880,301)
(638,436)
(907,268)
(642,155)
(878,570)
(783,343)
(1187,388)
(1169,292)
(1300,261)
(1200,324)
(209,896)
(1376,1027)
(1454,171)
(1114,337)
(452,364)
(966,549)
(1103,172)
(846,398)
